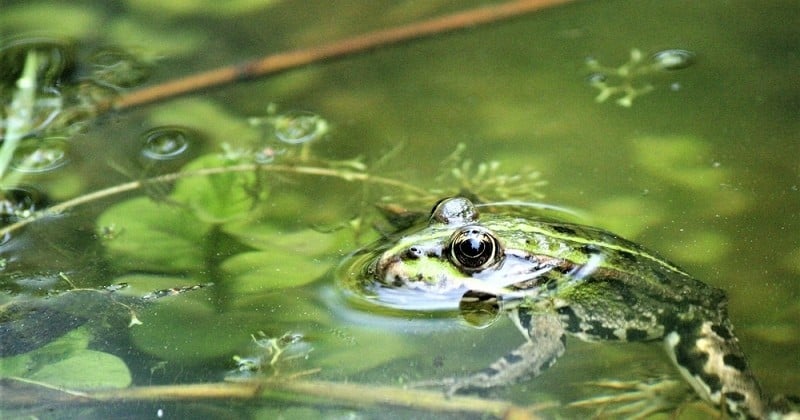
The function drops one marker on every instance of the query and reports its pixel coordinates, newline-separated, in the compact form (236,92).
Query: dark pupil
(473,249)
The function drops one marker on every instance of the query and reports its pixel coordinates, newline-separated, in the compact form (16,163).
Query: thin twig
(334,393)
(134,185)
(280,62)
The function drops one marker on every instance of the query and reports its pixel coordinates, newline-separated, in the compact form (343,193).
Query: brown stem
(21,392)
(347,47)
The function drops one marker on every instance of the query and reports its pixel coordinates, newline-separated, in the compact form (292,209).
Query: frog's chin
(417,295)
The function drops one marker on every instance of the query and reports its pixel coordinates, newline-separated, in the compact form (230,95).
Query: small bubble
(674,59)
(166,143)
(596,78)
(297,127)
(36,156)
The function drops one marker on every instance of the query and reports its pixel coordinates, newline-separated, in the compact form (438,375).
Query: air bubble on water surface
(673,59)
(37,156)
(298,127)
(166,143)
(596,78)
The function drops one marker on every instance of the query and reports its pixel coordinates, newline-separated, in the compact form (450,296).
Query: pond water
(186,282)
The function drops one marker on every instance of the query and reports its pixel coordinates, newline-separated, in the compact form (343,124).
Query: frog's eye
(473,249)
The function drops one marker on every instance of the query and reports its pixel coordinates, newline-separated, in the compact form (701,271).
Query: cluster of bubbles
(67,83)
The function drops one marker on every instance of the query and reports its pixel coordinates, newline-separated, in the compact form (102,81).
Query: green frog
(555,279)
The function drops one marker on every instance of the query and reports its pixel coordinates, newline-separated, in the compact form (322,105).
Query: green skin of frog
(554,279)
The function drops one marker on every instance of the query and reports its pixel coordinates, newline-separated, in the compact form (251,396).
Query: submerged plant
(628,80)
(484,182)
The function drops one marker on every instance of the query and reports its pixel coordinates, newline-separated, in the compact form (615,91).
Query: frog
(556,279)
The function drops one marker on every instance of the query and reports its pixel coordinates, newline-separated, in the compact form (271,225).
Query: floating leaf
(87,369)
(267,237)
(263,271)
(221,197)
(68,363)
(154,236)
(346,350)
(191,332)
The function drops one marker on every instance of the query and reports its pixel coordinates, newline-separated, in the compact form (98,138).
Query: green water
(703,169)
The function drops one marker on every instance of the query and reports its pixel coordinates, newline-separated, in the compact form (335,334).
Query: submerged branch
(280,62)
(334,393)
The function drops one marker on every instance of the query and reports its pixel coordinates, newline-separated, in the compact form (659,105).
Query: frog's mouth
(514,276)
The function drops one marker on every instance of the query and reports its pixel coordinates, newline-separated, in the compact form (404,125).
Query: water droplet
(167,142)
(36,156)
(297,127)
(674,59)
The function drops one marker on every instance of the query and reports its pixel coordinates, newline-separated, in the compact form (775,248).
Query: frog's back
(612,289)
(595,259)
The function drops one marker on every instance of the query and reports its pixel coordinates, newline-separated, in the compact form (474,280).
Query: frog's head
(445,254)
(453,252)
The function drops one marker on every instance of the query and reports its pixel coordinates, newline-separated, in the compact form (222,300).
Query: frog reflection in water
(556,278)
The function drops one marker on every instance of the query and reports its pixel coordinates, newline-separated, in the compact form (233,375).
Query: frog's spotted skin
(554,279)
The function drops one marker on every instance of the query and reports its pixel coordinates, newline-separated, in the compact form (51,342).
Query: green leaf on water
(343,349)
(263,271)
(67,362)
(308,242)
(154,236)
(87,369)
(190,331)
(218,198)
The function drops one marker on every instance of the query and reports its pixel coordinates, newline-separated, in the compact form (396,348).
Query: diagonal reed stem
(281,62)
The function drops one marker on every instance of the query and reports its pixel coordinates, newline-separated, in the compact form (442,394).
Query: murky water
(701,166)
